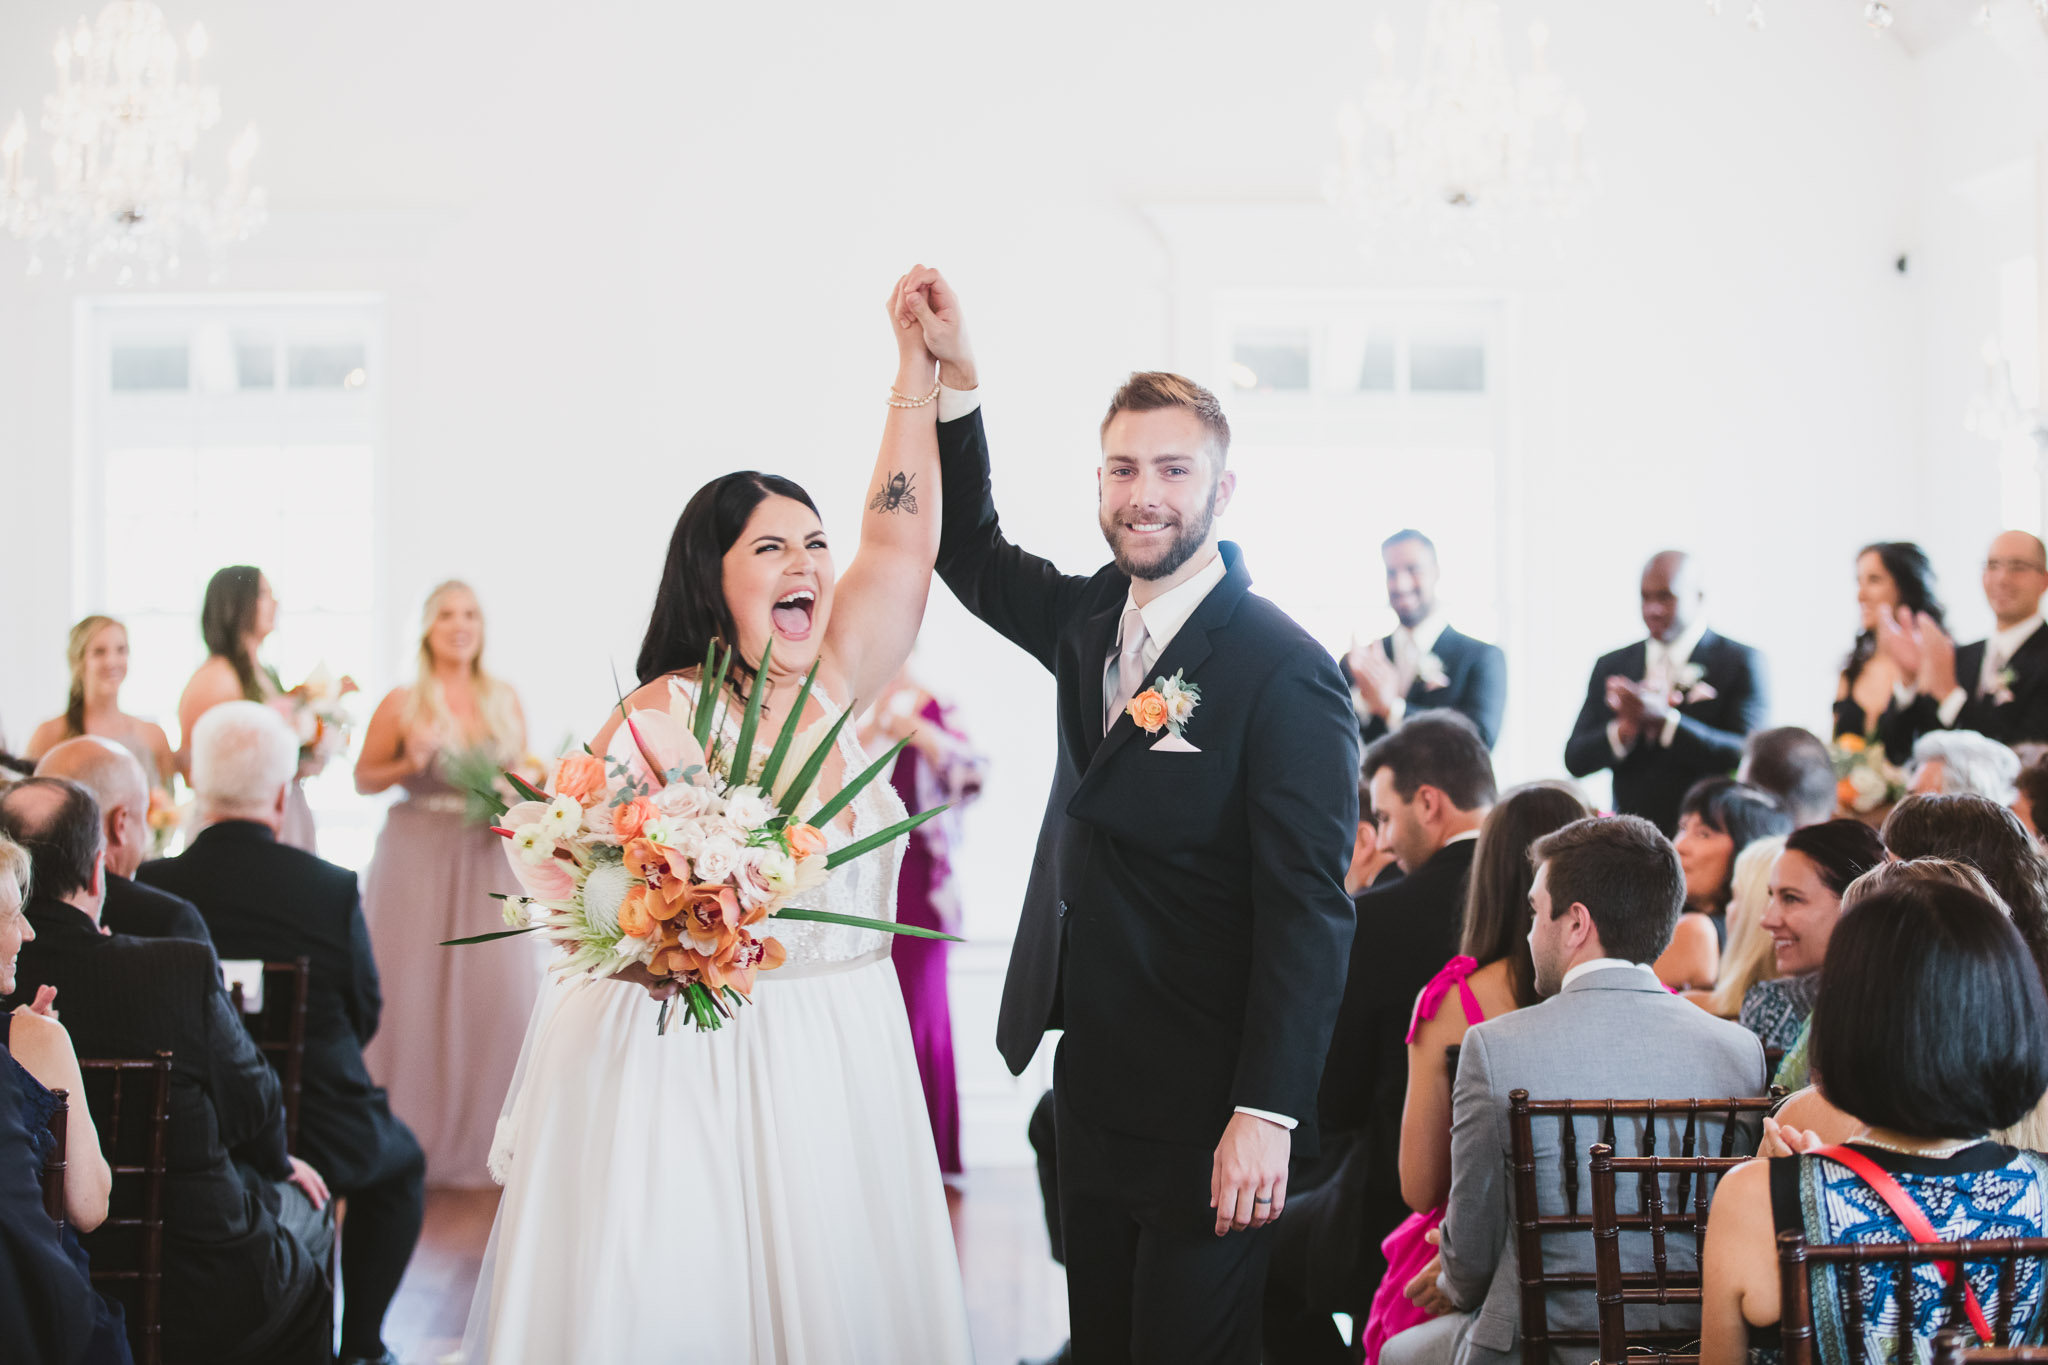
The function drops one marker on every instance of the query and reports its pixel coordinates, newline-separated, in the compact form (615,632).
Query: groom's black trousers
(1148,1280)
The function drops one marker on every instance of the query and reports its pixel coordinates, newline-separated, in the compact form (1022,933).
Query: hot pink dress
(1406,1251)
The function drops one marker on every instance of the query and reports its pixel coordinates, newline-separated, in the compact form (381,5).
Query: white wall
(626,247)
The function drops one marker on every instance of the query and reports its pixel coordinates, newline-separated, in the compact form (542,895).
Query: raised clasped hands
(933,305)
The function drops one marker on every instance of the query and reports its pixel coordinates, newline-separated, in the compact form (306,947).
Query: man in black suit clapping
(1667,711)
(265,899)
(1424,665)
(1997,686)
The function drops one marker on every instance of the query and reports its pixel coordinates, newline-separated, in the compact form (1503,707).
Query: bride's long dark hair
(690,610)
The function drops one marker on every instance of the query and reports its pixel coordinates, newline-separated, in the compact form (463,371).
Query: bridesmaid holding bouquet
(452,1022)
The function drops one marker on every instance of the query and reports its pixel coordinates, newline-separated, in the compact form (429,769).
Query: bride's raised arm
(879,602)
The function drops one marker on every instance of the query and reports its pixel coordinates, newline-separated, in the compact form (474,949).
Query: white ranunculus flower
(564,817)
(1870,787)
(604,891)
(534,843)
(748,808)
(717,857)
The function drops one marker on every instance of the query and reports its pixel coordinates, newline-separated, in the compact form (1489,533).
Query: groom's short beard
(1190,538)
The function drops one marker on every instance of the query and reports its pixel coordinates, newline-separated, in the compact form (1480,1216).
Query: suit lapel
(1189,649)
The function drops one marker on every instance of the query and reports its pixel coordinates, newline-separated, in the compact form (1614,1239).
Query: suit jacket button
(1063,909)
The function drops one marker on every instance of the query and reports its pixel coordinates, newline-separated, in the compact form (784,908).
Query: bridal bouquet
(1866,780)
(674,849)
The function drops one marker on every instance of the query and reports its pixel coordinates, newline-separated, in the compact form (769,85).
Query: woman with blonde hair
(98,655)
(453,1021)
(1747,958)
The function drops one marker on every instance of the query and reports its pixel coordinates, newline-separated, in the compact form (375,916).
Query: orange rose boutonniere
(1167,705)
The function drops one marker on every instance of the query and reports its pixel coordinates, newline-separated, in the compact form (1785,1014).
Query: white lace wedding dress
(764,1193)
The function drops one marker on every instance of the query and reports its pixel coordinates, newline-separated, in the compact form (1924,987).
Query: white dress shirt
(1601,964)
(1662,666)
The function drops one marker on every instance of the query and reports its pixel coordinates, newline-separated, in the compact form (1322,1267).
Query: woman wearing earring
(452,1021)
(236,617)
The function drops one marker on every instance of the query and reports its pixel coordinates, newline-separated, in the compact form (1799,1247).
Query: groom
(1185,922)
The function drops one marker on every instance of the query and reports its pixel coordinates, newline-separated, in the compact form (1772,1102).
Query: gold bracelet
(904,400)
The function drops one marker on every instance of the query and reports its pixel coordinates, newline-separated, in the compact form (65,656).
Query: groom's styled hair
(1152,390)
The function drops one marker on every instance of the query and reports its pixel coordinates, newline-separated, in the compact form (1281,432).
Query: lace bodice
(866,886)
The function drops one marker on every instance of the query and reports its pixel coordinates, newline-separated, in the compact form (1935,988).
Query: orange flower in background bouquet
(673,851)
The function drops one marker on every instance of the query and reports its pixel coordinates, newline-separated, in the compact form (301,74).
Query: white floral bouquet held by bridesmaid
(671,849)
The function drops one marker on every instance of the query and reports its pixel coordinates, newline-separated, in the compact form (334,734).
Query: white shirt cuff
(1280,1119)
(1364,712)
(1396,709)
(1951,707)
(1614,739)
(957,403)
(1903,694)
(1670,729)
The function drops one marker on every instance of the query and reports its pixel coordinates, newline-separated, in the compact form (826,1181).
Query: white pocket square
(1174,744)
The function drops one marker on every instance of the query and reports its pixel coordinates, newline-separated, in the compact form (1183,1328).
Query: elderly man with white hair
(263,898)
(114,777)
(1963,763)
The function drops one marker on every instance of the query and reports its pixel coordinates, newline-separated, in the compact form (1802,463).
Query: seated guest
(1793,765)
(1372,862)
(1748,958)
(1932,1026)
(1604,899)
(116,781)
(240,1286)
(1990,838)
(265,899)
(2030,790)
(1492,974)
(1720,818)
(1954,762)
(38,1061)
(1996,687)
(1807,882)
(1894,583)
(1667,711)
(1431,783)
(1424,665)
(47,1306)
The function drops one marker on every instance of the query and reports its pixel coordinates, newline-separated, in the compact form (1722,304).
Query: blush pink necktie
(1130,665)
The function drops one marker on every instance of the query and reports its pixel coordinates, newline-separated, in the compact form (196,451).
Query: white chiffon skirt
(766,1193)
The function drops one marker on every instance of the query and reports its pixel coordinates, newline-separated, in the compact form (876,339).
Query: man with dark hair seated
(265,899)
(1793,765)
(239,1287)
(1430,785)
(1606,895)
(115,779)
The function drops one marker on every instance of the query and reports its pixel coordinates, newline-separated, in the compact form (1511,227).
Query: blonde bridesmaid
(453,1019)
(98,655)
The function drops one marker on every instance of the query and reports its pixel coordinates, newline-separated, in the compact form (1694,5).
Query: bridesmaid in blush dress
(936,768)
(453,1020)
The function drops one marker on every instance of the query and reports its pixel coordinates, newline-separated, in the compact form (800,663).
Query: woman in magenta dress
(1491,975)
(453,1021)
(935,768)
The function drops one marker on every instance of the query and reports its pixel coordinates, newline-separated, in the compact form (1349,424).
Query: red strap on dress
(1915,1223)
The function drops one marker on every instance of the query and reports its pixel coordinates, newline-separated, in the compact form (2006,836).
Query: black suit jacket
(2022,720)
(46,1304)
(141,911)
(1652,780)
(232,1275)
(1475,685)
(264,899)
(1185,921)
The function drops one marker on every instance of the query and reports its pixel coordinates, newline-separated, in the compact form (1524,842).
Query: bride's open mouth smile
(792,614)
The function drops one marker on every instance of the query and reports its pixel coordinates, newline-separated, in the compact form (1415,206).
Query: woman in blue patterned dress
(1932,1026)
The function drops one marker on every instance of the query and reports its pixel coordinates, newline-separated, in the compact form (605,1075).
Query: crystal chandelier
(123,126)
(1878,13)
(1463,138)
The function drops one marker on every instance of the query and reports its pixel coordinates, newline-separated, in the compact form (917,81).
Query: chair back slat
(55,1168)
(1951,1348)
(1613,1287)
(1798,1260)
(279,1029)
(130,1101)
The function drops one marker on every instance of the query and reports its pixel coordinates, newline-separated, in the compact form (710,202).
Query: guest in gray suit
(1606,895)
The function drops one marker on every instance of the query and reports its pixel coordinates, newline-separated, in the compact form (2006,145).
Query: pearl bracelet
(904,400)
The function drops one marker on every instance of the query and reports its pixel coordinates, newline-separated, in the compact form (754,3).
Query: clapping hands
(1375,677)
(1919,648)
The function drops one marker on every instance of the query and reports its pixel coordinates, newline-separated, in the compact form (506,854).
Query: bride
(767,1192)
